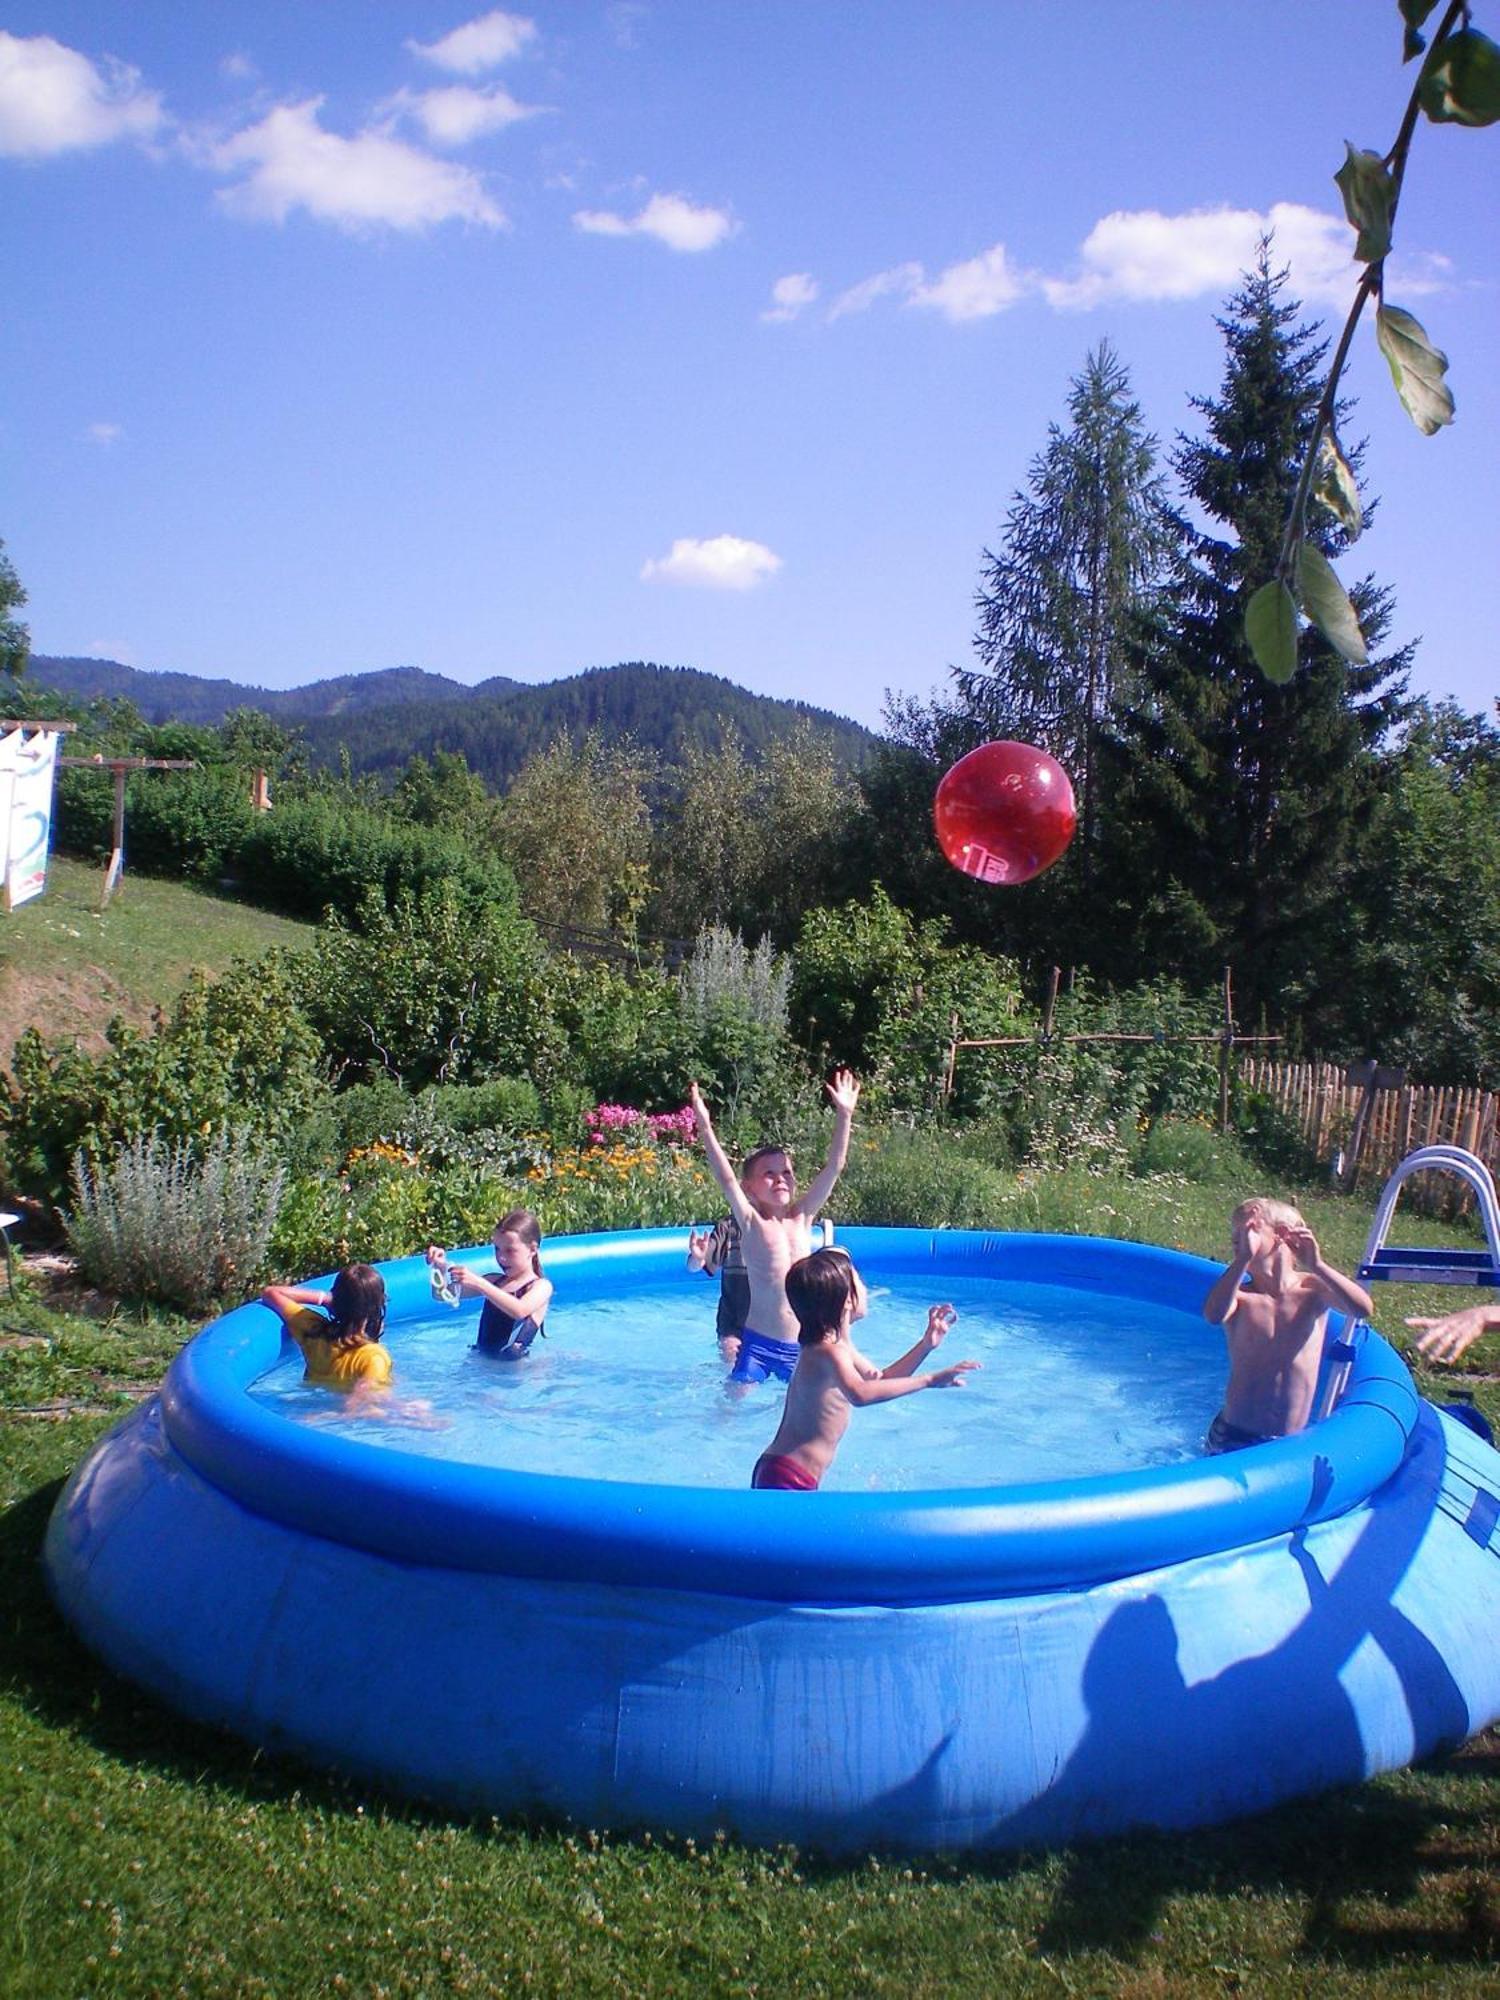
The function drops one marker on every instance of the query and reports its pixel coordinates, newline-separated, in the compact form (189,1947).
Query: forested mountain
(191,698)
(382,719)
(667,710)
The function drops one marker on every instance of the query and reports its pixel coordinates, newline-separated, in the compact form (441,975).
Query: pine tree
(1238,806)
(1084,551)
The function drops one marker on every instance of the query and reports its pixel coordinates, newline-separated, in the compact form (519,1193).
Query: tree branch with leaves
(1458,84)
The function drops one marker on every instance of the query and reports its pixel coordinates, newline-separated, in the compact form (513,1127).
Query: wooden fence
(1325,1105)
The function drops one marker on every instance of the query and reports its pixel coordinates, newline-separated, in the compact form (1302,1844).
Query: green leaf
(1271,631)
(1326,603)
(1369,197)
(1414,13)
(1417,368)
(1335,487)
(1461,83)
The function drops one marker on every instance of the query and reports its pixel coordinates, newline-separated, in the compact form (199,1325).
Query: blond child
(1272,1300)
(832,1377)
(775,1225)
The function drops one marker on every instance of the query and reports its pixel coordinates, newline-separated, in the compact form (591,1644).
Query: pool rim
(941,1545)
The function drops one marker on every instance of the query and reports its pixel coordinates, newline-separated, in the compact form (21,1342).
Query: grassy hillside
(66,968)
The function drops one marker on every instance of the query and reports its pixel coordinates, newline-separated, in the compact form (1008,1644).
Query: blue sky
(343,334)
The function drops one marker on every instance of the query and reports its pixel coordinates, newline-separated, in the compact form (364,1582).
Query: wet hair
(818,1288)
(356,1307)
(521,1222)
(764,1153)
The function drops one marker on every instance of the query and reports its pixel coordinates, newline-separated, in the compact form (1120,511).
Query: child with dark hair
(515,1296)
(832,1377)
(341,1344)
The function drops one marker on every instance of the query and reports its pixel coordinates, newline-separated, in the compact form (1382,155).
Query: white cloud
(54,100)
(901,278)
(457,113)
(725,562)
(670,218)
(977,289)
(238,67)
(479,45)
(105,434)
(1144,255)
(790,295)
(359,183)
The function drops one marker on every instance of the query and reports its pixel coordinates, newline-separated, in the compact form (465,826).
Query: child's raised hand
(464,1281)
(698,1247)
(842,1091)
(696,1105)
(952,1377)
(436,1255)
(1303,1246)
(939,1319)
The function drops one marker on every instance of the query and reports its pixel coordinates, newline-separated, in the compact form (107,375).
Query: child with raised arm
(832,1377)
(775,1225)
(516,1296)
(1272,1300)
(341,1344)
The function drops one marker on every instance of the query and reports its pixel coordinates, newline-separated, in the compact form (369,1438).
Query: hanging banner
(30,768)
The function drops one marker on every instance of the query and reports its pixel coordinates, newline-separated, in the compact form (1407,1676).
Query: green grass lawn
(66,967)
(140,1855)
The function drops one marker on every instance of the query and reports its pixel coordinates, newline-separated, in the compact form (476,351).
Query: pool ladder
(1395,1264)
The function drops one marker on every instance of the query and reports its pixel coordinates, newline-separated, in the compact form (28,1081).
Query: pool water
(631,1387)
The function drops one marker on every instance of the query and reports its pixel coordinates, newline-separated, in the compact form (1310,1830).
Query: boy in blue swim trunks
(775,1225)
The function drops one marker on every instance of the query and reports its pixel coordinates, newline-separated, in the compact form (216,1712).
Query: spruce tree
(1237,806)
(1084,550)
(1075,574)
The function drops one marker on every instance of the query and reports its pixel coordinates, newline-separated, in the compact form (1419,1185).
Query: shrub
(1195,1151)
(324,852)
(509,1104)
(877,990)
(623,1032)
(233,1051)
(919,1182)
(1273,1139)
(325,849)
(733,999)
(433,990)
(163,1220)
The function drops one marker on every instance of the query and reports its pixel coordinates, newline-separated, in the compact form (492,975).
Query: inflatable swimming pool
(968,1668)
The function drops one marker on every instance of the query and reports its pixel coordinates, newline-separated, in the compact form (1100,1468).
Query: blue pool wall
(521,1670)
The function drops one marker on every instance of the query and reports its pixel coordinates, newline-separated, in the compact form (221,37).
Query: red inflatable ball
(1005,812)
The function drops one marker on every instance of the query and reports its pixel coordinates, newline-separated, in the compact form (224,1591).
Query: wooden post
(1052,987)
(116,866)
(1226,1050)
(119,766)
(952,1063)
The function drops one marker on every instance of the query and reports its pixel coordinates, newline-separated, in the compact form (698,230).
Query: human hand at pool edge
(1447,1338)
